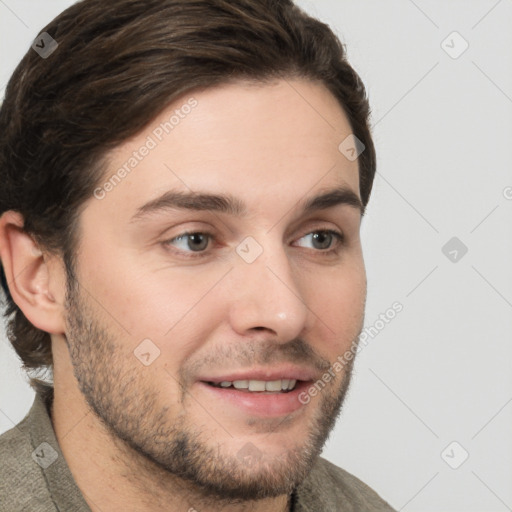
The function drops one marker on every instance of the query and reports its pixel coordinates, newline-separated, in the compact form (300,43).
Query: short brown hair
(118,64)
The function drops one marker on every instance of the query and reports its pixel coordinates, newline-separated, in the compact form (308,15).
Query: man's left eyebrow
(225,203)
(331,198)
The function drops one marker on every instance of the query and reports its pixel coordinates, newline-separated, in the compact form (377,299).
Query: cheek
(168,305)
(174,307)
(338,300)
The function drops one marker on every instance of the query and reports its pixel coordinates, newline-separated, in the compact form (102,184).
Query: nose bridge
(268,292)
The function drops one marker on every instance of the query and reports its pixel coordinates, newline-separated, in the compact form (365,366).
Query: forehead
(266,144)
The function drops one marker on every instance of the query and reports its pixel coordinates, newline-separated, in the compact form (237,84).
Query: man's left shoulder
(329,488)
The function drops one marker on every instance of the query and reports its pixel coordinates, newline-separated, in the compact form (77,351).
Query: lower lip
(270,405)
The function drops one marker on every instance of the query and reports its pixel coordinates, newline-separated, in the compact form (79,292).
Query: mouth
(257,386)
(265,392)
(256,398)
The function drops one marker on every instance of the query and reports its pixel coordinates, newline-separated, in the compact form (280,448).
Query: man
(182,190)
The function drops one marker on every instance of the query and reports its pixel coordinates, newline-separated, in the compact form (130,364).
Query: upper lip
(268,374)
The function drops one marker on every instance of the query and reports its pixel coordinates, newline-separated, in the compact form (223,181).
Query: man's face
(270,293)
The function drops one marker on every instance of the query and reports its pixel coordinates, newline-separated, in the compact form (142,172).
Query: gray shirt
(35,477)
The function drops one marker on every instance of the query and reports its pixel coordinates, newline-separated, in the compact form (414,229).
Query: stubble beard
(141,425)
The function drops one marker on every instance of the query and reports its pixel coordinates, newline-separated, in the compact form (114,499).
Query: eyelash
(201,254)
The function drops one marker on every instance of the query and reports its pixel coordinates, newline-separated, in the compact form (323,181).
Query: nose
(269,295)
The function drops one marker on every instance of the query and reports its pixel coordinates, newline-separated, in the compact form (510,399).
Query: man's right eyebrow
(222,203)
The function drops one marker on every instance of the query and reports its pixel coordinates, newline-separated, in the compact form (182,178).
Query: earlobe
(33,283)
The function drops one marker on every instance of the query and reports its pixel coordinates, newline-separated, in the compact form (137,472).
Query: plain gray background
(434,385)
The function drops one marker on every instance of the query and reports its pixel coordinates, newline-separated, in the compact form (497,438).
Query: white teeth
(256,385)
(273,385)
(261,385)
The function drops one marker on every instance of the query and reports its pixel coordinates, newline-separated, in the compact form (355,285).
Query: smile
(272,386)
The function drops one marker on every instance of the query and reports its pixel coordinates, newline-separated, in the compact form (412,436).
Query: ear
(36,281)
